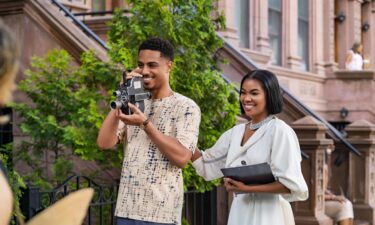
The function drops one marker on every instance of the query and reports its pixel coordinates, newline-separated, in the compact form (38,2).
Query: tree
(63,119)
(69,103)
(191,28)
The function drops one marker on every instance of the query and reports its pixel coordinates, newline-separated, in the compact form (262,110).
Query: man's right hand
(134,73)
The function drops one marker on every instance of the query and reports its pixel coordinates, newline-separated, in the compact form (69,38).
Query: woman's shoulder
(235,128)
(280,124)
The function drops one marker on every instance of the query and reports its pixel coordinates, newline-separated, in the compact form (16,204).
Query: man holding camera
(158,143)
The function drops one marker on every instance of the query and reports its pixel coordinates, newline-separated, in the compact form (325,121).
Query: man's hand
(136,119)
(134,73)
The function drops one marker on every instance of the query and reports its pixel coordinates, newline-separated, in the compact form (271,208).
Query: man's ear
(169,65)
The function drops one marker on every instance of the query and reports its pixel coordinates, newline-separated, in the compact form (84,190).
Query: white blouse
(356,63)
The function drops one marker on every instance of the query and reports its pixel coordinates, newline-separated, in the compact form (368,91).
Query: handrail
(332,130)
(79,23)
(94,13)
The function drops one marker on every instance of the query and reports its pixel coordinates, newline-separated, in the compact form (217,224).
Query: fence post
(361,185)
(30,202)
(311,136)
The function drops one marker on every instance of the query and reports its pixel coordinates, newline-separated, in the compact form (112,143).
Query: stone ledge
(355,74)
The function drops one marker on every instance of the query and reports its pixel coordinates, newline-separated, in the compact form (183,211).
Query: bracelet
(144,124)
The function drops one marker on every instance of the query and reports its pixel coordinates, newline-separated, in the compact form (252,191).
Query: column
(368,35)
(311,135)
(259,19)
(230,33)
(328,23)
(361,190)
(290,34)
(316,47)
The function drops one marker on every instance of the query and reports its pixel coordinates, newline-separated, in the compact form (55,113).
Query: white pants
(339,211)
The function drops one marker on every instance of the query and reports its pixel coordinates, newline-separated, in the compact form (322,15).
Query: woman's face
(360,48)
(253,100)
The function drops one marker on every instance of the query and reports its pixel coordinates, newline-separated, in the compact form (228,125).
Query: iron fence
(198,209)
(101,208)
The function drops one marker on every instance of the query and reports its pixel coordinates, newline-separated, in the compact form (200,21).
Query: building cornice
(11,7)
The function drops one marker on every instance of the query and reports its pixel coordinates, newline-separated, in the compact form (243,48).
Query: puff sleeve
(286,162)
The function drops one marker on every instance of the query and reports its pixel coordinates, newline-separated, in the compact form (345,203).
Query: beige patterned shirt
(151,188)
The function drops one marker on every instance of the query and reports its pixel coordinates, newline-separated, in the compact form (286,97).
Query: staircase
(360,222)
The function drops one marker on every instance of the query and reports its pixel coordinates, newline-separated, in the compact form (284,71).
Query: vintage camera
(132,90)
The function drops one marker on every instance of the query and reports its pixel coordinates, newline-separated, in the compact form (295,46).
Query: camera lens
(116,105)
(116,93)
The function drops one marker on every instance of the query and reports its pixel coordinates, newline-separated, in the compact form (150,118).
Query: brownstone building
(304,42)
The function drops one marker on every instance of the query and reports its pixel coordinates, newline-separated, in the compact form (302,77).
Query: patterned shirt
(151,188)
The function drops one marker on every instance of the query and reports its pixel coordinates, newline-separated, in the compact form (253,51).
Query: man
(158,143)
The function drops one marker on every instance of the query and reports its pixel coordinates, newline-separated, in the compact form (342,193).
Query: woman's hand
(197,154)
(239,187)
(338,198)
(235,186)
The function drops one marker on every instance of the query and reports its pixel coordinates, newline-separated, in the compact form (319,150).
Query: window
(98,5)
(242,22)
(303,33)
(274,30)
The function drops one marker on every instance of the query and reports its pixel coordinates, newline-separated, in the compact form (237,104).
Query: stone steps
(360,222)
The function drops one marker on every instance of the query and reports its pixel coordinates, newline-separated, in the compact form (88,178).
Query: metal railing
(98,13)
(198,209)
(80,24)
(100,211)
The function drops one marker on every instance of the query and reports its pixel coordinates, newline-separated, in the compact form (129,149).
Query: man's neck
(162,94)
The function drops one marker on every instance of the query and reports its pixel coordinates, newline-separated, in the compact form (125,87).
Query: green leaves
(191,28)
(65,115)
(70,102)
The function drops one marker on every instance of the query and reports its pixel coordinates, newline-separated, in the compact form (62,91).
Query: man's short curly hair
(158,44)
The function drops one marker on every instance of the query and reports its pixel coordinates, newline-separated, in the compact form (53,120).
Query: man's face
(155,70)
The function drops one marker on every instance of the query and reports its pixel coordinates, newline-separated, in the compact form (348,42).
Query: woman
(354,60)
(265,138)
(337,207)
(8,69)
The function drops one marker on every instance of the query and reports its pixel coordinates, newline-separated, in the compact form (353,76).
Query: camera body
(132,90)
